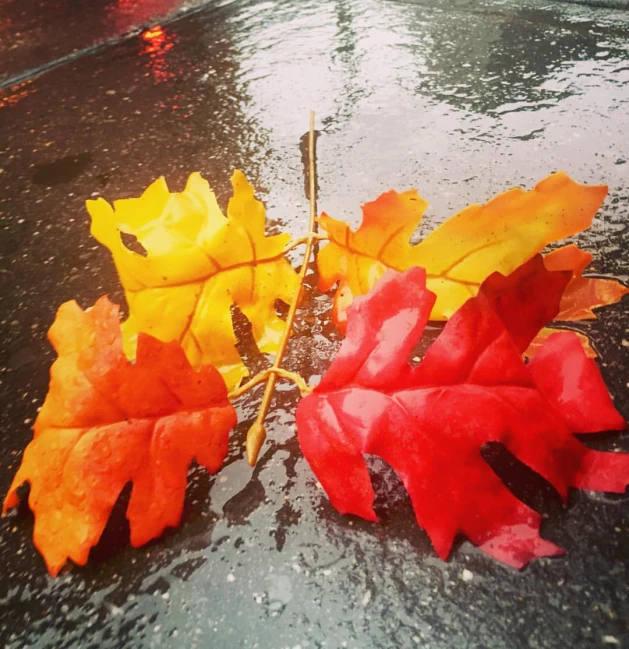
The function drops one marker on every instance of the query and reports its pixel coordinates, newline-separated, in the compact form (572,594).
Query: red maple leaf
(429,422)
(106,422)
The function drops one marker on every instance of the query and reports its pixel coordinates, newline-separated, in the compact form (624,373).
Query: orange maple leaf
(581,297)
(468,247)
(583,294)
(106,422)
(546,332)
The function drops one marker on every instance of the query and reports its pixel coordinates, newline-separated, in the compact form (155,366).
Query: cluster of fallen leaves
(138,401)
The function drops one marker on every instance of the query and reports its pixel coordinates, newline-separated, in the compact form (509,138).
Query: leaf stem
(304,388)
(257,434)
(314,236)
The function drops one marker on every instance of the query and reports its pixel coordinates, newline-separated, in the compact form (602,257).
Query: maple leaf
(546,332)
(198,263)
(429,422)
(458,255)
(106,422)
(581,296)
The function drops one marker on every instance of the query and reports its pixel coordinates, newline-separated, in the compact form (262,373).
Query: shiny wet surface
(36,35)
(461,101)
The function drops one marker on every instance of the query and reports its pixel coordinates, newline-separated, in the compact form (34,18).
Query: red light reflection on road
(157,43)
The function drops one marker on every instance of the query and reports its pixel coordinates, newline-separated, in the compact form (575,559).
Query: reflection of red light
(158,43)
(154,35)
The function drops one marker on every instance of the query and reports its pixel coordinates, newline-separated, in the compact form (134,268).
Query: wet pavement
(39,35)
(460,99)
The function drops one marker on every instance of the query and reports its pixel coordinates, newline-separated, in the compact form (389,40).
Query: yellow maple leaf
(462,252)
(198,263)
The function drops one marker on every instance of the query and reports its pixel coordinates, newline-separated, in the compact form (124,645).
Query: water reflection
(122,15)
(158,43)
(478,58)
(481,58)
(347,57)
(399,79)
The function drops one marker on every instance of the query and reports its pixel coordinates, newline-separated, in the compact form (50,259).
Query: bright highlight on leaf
(198,264)
(430,422)
(106,422)
(481,239)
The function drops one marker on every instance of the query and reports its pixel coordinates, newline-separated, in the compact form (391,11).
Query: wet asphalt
(459,99)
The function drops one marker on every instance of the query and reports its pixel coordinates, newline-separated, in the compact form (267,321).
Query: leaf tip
(9,503)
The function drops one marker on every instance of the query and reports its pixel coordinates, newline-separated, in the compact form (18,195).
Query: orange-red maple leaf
(430,421)
(106,422)
(544,334)
(465,249)
(583,294)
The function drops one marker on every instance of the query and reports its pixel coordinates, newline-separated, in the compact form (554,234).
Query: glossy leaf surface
(198,263)
(106,422)
(458,255)
(430,421)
